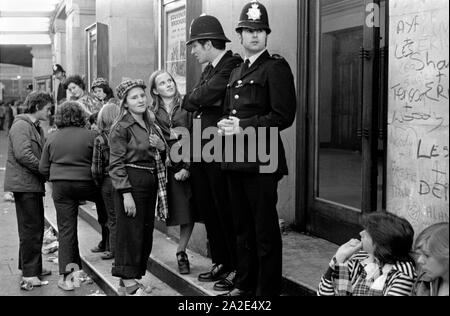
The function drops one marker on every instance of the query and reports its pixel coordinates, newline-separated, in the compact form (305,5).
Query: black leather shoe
(227,284)
(217,273)
(107,256)
(237,292)
(183,263)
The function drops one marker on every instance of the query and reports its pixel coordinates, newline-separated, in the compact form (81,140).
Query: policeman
(60,74)
(260,98)
(208,42)
(61,93)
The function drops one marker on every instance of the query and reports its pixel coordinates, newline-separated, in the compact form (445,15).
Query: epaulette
(237,55)
(276,56)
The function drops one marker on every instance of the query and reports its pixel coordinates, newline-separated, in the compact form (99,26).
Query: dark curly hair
(107,90)
(36,101)
(70,114)
(392,236)
(76,80)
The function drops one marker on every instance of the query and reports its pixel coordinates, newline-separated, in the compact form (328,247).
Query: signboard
(175,42)
(418,150)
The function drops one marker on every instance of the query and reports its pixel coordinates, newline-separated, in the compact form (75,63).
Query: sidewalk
(305,259)
(10,276)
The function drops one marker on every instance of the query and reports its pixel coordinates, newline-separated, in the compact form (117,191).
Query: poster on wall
(418,124)
(175,48)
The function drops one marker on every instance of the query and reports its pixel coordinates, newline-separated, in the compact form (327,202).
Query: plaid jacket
(162,206)
(351,278)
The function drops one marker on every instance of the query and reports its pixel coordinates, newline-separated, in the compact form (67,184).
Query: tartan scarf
(162,208)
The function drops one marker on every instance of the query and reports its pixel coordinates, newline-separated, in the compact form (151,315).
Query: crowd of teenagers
(115,150)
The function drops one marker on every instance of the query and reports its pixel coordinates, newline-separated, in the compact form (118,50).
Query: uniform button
(252,82)
(199,117)
(236,97)
(240,82)
(234,112)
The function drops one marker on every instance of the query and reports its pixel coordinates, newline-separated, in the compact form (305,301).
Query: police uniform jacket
(261,96)
(206,99)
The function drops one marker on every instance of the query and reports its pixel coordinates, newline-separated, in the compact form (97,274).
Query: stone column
(80,15)
(42,60)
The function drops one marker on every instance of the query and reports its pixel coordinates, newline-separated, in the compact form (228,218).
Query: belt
(140,167)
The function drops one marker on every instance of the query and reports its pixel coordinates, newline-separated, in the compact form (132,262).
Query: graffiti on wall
(418,150)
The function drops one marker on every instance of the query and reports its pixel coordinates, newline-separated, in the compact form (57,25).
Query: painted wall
(418,165)
(282,41)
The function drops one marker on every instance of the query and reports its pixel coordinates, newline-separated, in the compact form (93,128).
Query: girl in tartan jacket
(380,264)
(138,175)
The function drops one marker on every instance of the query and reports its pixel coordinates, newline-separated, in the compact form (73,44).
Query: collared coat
(262,96)
(26,142)
(206,99)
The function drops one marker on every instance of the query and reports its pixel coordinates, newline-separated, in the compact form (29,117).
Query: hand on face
(347,250)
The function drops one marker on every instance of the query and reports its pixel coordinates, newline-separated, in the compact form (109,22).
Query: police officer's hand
(182,176)
(129,205)
(156,142)
(229,127)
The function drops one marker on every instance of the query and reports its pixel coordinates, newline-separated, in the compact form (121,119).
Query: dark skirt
(181,206)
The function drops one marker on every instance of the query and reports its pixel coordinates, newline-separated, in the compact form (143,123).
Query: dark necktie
(246,65)
(208,70)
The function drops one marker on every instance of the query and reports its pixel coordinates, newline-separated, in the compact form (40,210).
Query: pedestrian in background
(77,88)
(431,247)
(139,178)
(170,116)
(11,113)
(103,92)
(66,162)
(61,92)
(100,172)
(2,115)
(380,264)
(22,177)
(60,74)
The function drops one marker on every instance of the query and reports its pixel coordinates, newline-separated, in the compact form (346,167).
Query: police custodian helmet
(254,16)
(206,27)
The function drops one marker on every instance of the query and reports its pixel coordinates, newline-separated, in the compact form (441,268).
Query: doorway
(346,142)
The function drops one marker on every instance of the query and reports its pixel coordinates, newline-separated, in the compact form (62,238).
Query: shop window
(97,64)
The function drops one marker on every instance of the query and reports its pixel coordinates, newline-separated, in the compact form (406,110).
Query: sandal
(28,284)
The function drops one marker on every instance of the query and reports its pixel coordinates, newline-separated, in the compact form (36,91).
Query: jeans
(30,220)
(66,196)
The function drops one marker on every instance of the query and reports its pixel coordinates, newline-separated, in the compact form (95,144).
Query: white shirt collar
(255,57)
(218,59)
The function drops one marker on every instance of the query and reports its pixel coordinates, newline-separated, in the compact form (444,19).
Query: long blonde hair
(435,241)
(157,101)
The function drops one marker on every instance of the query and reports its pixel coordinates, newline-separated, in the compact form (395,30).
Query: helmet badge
(254,13)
